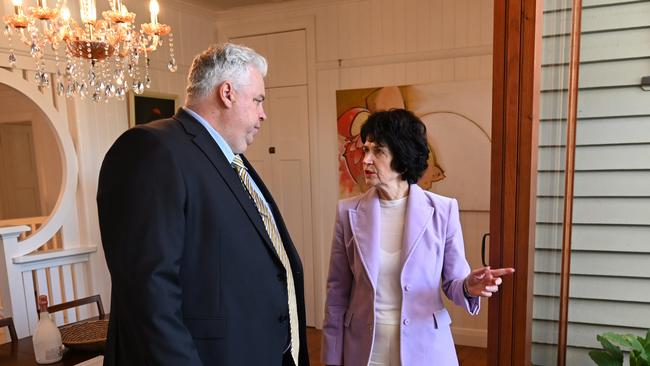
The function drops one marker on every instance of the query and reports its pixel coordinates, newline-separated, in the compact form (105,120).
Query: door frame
(515,119)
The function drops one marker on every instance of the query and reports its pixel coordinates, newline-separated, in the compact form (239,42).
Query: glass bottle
(48,347)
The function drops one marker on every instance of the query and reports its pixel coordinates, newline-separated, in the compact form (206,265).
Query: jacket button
(282,277)
(406,322)
(407,288)
(282,318)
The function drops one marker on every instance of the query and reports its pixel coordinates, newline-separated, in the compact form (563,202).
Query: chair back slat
(69,315)
(56,293)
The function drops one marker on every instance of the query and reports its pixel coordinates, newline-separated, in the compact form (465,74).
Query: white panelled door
(19,195)
(280,154)
(291,175)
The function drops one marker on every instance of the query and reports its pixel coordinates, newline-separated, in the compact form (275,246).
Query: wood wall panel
(599,157)
(599,46)
(591,312)
(598,237)
(599,183)
(597,264)
(598,210)
(599,74)
(554,5)
(326,32)
(590,287)
(601,131)
(597,19)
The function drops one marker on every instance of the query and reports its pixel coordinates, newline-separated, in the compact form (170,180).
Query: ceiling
(230,4)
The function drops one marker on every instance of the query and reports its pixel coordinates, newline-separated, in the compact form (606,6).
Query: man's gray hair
(227,61)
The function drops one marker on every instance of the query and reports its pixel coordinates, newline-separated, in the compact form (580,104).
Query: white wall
(369,43)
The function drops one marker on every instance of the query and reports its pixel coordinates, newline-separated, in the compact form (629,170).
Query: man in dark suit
(202,266)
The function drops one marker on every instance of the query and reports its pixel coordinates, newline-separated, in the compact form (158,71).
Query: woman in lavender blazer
(395,248)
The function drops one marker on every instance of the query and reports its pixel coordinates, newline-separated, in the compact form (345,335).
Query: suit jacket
(432,259)
(195,278)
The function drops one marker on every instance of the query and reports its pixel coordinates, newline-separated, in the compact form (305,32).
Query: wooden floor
(467,356)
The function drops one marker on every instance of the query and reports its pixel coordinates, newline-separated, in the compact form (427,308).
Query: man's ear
(225,92)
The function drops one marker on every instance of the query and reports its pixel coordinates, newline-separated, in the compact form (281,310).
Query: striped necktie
(272,230)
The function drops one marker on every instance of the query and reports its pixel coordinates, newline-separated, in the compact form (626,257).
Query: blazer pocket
(441,318)
(206,328)
(348,319)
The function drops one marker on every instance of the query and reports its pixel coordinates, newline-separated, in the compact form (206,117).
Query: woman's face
(377,168)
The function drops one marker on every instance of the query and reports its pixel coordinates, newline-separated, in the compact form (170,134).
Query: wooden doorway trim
(515,120)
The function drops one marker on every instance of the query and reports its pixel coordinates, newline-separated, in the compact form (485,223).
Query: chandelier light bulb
(154,8)
(88,11)
(65,14)
(17,2)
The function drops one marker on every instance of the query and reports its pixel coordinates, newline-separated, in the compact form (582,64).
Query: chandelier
(101,59)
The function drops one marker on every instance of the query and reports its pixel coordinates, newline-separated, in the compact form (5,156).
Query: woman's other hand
(484,281)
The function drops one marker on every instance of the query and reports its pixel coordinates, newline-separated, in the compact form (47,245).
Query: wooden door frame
(515,120)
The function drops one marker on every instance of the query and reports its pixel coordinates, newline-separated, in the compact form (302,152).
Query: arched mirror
(37,162)
(30,162)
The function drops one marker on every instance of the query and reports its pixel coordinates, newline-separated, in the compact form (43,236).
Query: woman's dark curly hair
(406,137)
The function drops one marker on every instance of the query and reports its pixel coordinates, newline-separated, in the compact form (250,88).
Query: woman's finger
(495,281)
(501,271)
(480,273)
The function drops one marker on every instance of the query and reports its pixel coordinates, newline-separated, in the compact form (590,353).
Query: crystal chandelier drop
(101,59)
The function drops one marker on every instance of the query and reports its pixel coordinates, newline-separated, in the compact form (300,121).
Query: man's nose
(262,115)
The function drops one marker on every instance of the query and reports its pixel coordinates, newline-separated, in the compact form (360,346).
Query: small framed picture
(148,107)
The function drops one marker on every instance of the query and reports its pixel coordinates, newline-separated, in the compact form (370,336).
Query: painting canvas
(457,116)
(150,107)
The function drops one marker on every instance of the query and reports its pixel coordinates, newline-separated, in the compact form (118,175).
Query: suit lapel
(364,221)
(418,214)
(202,139)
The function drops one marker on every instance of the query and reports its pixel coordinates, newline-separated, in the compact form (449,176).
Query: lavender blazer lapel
(364,222)
(419,212)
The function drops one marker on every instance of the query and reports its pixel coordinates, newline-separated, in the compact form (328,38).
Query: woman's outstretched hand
(484,281)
